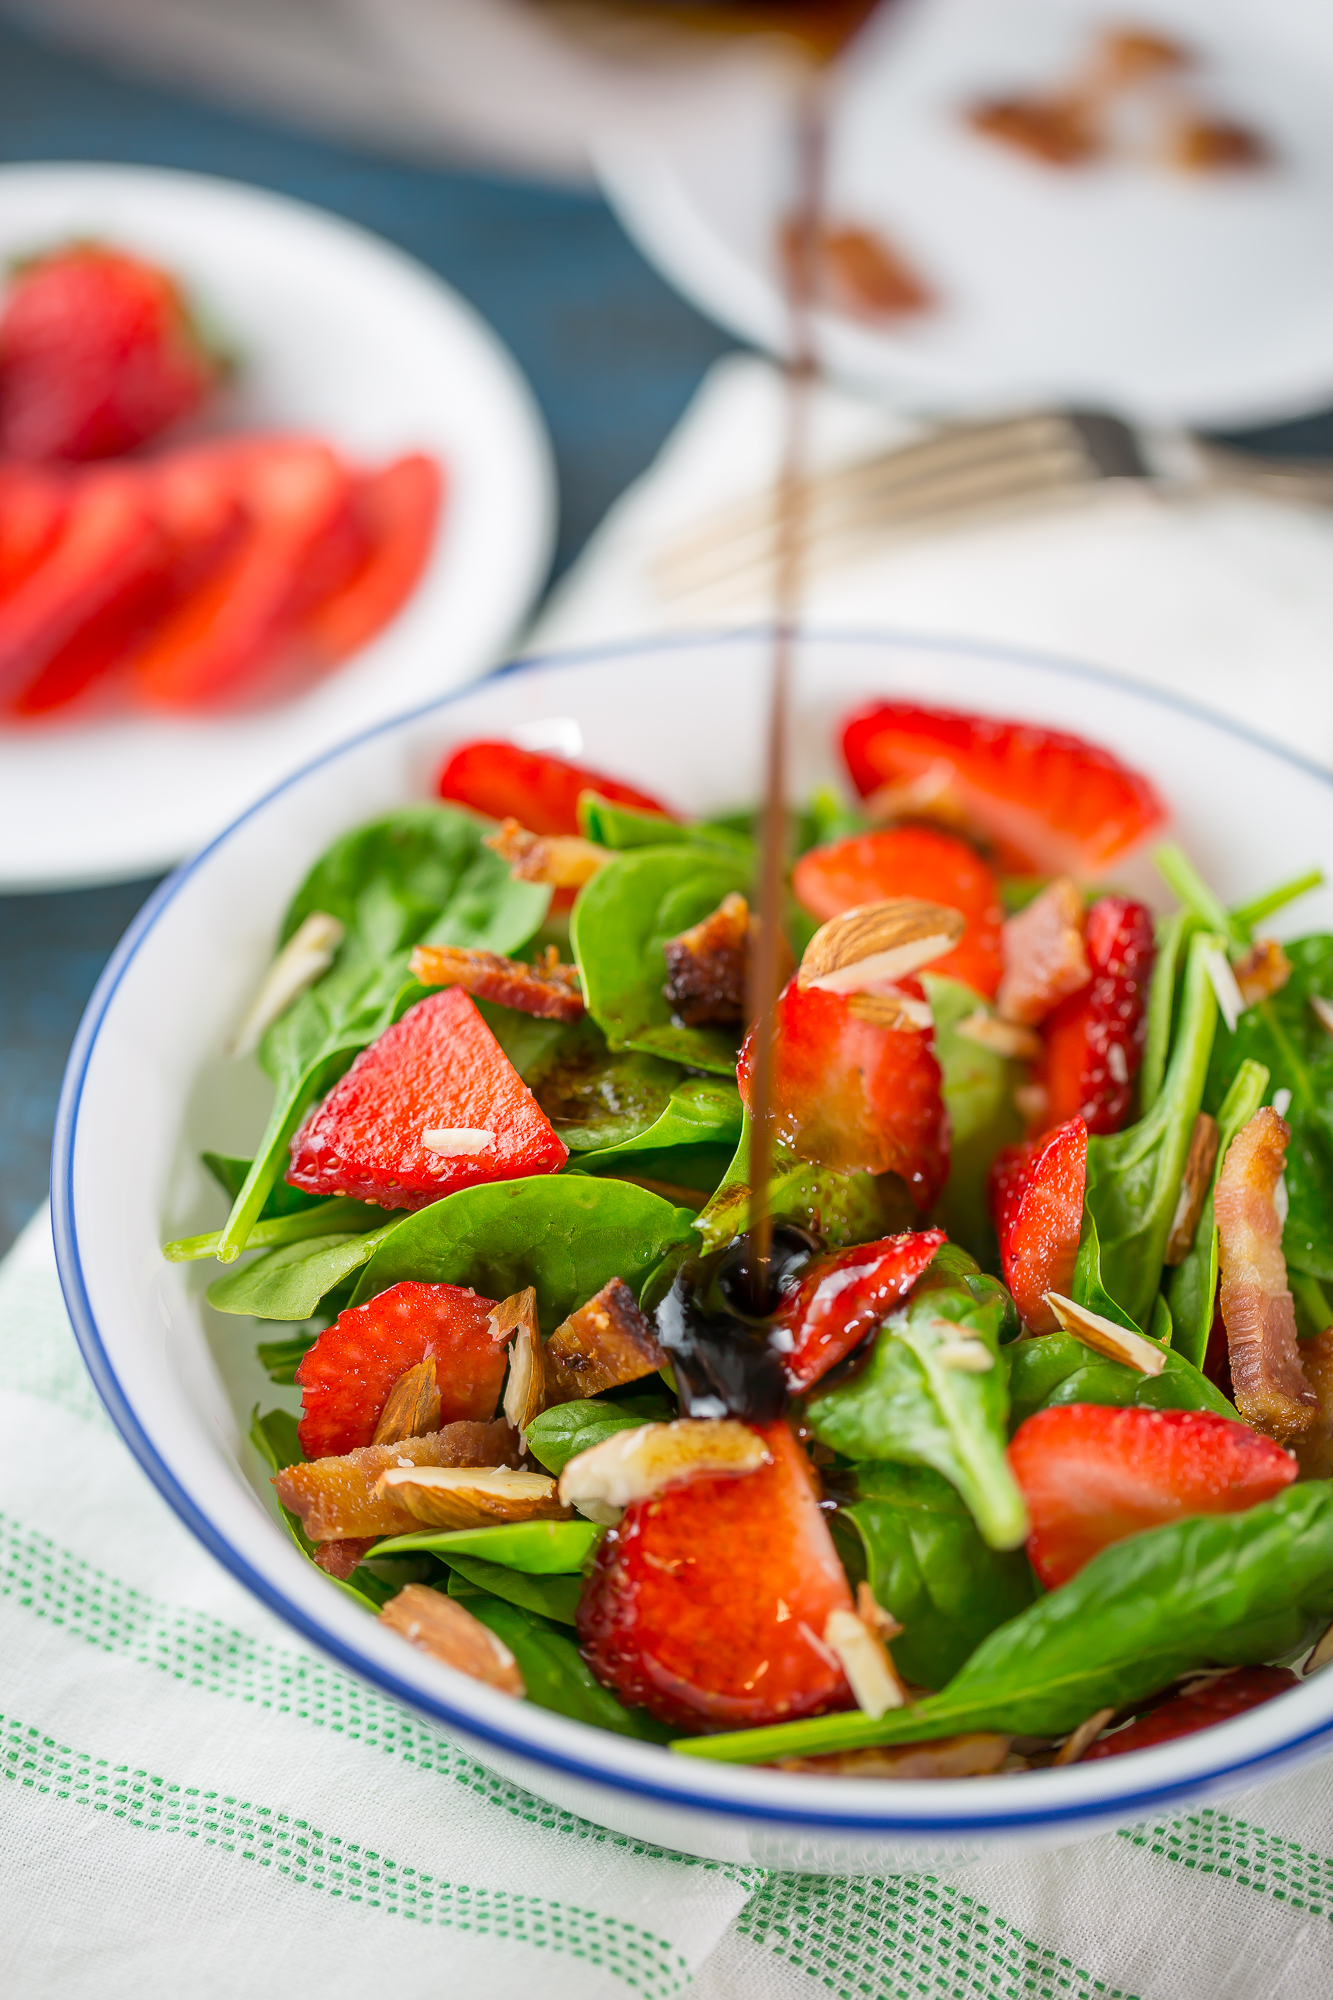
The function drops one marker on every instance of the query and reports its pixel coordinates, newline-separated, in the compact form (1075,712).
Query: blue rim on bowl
(683,1783)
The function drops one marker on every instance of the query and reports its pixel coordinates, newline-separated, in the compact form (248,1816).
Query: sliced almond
(1103,1336)
(1230,999)
(1264,971)
(1077,1744)
(446,1629)
(1032,1103)
(1194,1185)
(515,1319)
(1003,1038)
(864,1659)
(974,1756)
(603,1345)
(879,941)
(968,1357)
(338,1499)
(561,859)
(639,1464)
(306,957)
(461,1497)
(1322,1656)
(413,1408)
(889,1008)
(1323,1010)
(457,1142)
(873,1615)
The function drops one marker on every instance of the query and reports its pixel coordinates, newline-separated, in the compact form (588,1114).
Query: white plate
(343,335)
(147,1087)
(1171,298)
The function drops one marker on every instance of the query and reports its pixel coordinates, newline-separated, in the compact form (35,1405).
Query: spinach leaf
(338,1215)
(527,1040)
(1173,936)
(1054,1368)
(280,1359)
(419,873)
(565,1234)
(554,1597)
(595,1096)
(908,1405)
(1134,1176)
(1087,1288)
(566,1429)
(1217,1590)
(1192,1286)
(554,1674)
(824,819)
(621,922)
(978,1090)
(927,1564)
(288,1283)
(538,1548)
(274,1438)
(620,827)
(842,1208)
(691,1142)
(1285,1035)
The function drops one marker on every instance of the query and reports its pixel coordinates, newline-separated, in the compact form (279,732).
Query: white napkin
(195,1804)
(1226,601)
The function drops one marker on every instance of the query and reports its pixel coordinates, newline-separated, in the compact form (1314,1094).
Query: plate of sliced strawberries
(263,479)
(999,1499)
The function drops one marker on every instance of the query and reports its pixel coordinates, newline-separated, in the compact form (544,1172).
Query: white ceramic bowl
(147,1087)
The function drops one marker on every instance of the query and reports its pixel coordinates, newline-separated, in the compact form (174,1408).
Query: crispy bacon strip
(548,989)
(561,859)
(1257,1310)
(1044,958)
(707,964)
(602,1345)
(1264,970)
(336,1499)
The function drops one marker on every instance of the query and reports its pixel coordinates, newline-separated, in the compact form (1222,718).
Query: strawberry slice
(541,792)
(1091,1474)
(842,1297)
(1051,803)
(439,1072)
(300,544)
(1092,1043)
(707,1605)
(97,354)
(912,861)
(1214,1701)
(396,511)
(33,505)
(1036,1200)
(345,1378)
(850,1094)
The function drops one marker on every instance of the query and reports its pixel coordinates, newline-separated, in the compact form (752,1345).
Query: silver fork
(961,473)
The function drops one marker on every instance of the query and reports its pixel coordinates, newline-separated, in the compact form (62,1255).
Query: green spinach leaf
(288,1283)
(230,1174)
(1217,1590)
(274,1438)
(539,1548)
(1054,1368)
(566,1429)
(621,922)
(927,1564)
(692,1142)
(620,827)
(554,1597)
(1173,936)
(1192,1286)
(280,1359)
(338,1215)
(978,1089)
(554,1674)
(595,1096)
(565,1234)
(526,1039)
(842,1208)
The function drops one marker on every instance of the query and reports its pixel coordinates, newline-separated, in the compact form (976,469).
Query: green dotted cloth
(192,1804)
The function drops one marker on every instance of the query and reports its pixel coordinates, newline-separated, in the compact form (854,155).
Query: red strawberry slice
(912,861)
(1058,805)
(346,1376)
(1036,1195)
(1091,1475)
(397,511)
(33,505)
(1092,1043)
(1215,1701)
(97,354)
(850,1094)
(707,1605)
(439,1070)
(503,782)
(843,1297)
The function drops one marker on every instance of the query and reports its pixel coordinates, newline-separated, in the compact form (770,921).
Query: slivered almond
(461,1497)
(1323,1010)
(413,1408)
(1230,999)
(864,1659)
(457,1142)
(969,1357)
(639,1464)
(1322,1656)
(1080,1741)
(1003,1038)
(888,1008)
(1032,1103)
(446,1629)
(515,1319)
(1264,970)
(873,1615)
(603,1345)
(306,956)
(1103,1336)
(561,859)
(1194,1185)
(974,1756)
(879,941)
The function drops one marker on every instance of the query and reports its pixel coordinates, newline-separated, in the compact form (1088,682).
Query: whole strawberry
(97,355)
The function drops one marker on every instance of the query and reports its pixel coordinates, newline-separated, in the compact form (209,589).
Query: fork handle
(1223,470)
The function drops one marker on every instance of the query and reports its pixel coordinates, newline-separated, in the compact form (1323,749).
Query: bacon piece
(1194,1185)
(1257,1310)
(339,1559)
(1056,130)
(707,965)
(857,271)
(1264,971)
(336,1499)
(548,989)
(607,1342)
(1315,1448)
(1044,958)
(561,859)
